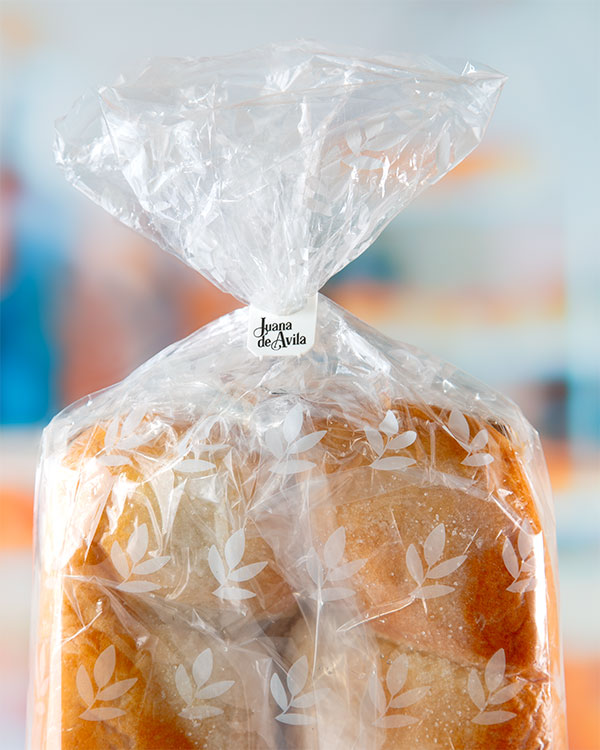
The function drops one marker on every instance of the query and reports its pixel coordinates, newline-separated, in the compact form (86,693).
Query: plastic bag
(351,546)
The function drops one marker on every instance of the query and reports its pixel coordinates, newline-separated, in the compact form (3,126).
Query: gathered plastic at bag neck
(270,170)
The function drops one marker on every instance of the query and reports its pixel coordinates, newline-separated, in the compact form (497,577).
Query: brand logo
(277,336)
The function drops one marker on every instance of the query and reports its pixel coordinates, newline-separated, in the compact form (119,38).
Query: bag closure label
(274,335)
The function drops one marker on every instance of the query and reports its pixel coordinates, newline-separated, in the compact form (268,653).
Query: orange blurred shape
(16,514)
(201,302)
(493,159)
(582,678)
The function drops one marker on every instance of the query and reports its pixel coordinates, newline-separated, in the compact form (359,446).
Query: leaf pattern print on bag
(285,444)
(433,549)
(332,570)
(392,441)
(137,547)
(295,681)
(459,428)
(498,692)
(198,690)
(121,436)
(526,567)
(395,681)
(234,552)
(104,668)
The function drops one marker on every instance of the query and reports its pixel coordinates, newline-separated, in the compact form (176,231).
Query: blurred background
(495,269)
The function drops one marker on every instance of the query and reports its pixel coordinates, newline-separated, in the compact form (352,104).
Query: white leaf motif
(138,543)
(434,544)
(393,463)
(459,426)
(375,440)
(493,717)
(151,565)
(114,461)
(494,670)
(137,587)
(475,689)
(278,692)
(334,547)
(200,712)
(402,441)
(116,690)
(478,459)
(105,666)
(409,698)
(216,565)
(193,466)
(294,719)
(183,684)
(521,587)
(507,692)
(525,540)
(389,424)
(446,567)
(132,420)
(131,442)
(345,571)
(479,441)
(510,559)
(292,424)
(233,594)
(314,567)
(234,548)
(84,686)
(274,443)
(374,128)
(247,572)
(529,566)
(292,466)
(395,721)
(396,674)
(376,693)
(354,139)
(105,713)
(308,699)
(334,594)
(118,559)
(414,564)
(296,678)
(307,441)
(202,667)
(214,690)
(110,436)
(432,592)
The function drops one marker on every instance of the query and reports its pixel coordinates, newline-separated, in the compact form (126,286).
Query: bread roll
(152,563)
(454,556)
(446,556)
(384,696)
(127,678)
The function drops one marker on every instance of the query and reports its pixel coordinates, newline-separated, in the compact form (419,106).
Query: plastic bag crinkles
(349,546)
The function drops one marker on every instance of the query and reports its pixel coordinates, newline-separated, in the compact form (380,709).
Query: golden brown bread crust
(480,507)
(85,611)
(484,608)
(152,712)
(402,699)
(189,533)
(486,511)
